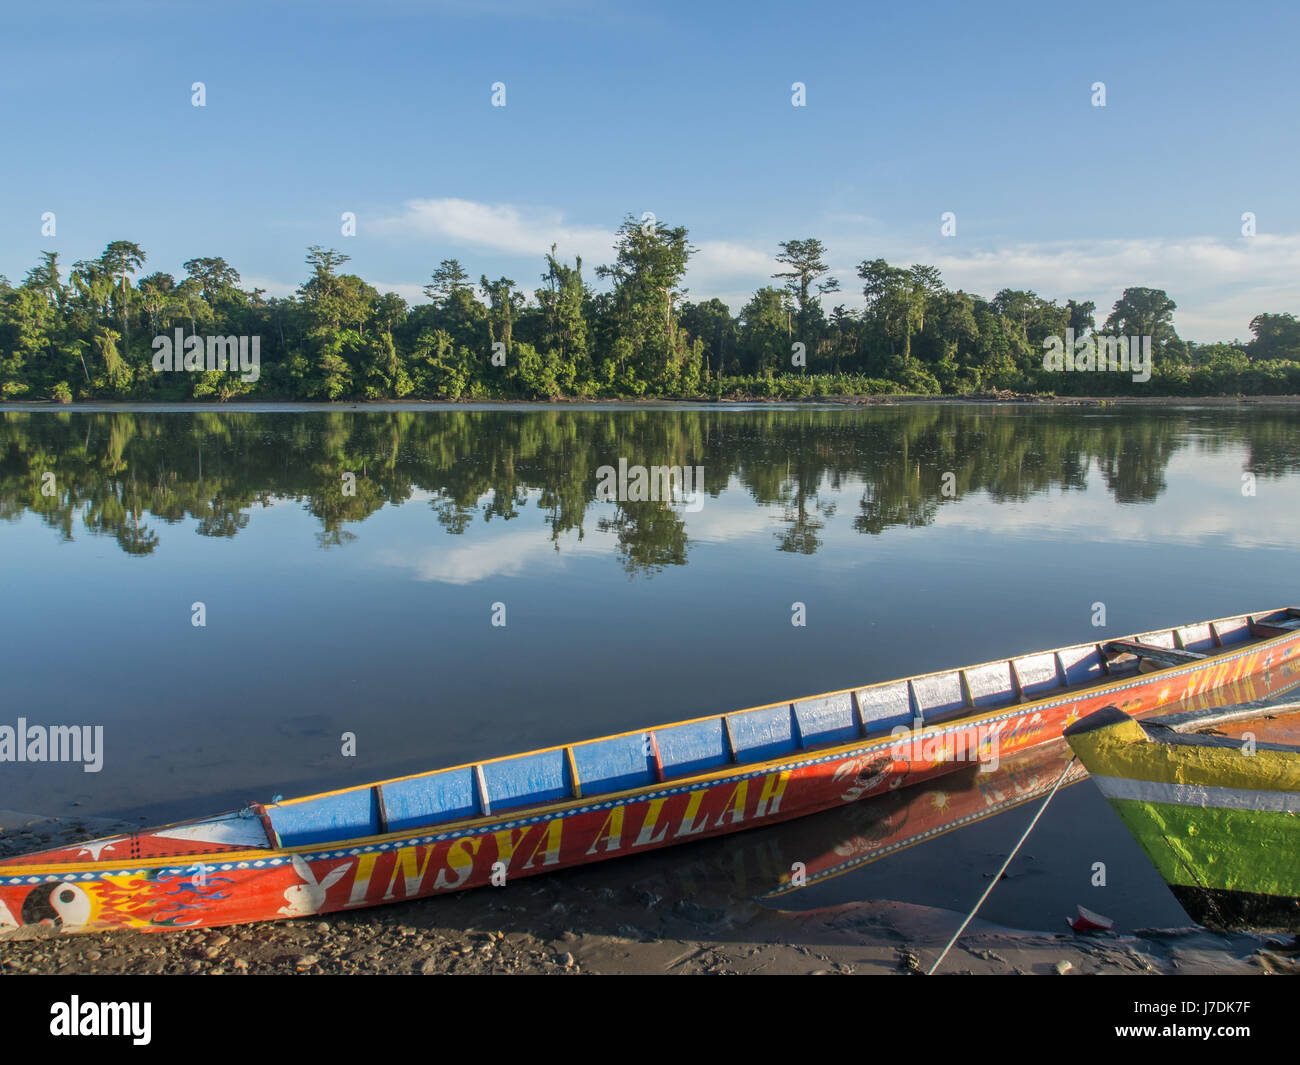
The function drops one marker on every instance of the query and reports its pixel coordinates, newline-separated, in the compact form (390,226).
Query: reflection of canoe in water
(494,821)
(779,860)
(892,823)
(1214,802)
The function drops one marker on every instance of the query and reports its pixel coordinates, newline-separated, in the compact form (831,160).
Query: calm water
(371,613)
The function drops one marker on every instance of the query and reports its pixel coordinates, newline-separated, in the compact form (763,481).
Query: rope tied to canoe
(1010,858)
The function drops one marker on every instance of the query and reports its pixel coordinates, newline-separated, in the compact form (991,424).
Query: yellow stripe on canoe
(1124,750)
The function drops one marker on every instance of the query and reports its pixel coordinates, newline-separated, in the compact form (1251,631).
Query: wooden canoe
(842,840)
(495,821)
(1213,800)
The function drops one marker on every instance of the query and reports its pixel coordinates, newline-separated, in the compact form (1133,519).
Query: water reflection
(128,475)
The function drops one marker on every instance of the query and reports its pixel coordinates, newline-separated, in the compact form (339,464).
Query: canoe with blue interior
(492,822)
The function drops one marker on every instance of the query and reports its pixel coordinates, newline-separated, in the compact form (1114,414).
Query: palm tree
(121,259)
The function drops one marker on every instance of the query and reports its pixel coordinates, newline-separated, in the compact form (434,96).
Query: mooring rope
(1010,857)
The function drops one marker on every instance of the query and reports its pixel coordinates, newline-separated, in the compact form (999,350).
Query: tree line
(91,334)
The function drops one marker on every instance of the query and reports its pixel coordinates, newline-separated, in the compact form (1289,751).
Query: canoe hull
(230,870)
(1237,911)
(1218,816)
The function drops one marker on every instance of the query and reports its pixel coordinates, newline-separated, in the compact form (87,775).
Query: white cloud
(723,268)
(726,521)
(1218,284)
(503,555)
(517,231)
(270,285)
(717,262)
(1201,507)
(500,228)
(410,291)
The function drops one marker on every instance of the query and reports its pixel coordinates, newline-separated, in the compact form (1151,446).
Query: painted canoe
(766,868)
(492,822)
(840,841)
(889,824)
(1214,801)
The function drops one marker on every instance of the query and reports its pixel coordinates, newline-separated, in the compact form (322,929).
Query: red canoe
(495,821)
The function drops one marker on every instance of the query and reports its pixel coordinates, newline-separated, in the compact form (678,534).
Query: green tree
(806,262)
(449,279)
(44,278)
(711,322)
(647,274)
(763,343)
(390,312)
(217,281)
(120,260)
(1277,336)
(503,309)
(563,300)
(1146,312)
(899,299)
(1082,318)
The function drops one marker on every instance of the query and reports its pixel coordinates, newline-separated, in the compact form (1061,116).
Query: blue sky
(684,110)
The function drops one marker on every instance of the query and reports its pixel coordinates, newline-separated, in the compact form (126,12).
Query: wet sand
(618,917)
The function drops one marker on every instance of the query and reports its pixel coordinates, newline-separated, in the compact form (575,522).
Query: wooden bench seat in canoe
(1168,656)
(1276,626)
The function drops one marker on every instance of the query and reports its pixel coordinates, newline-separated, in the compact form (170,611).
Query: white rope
(1015,850)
